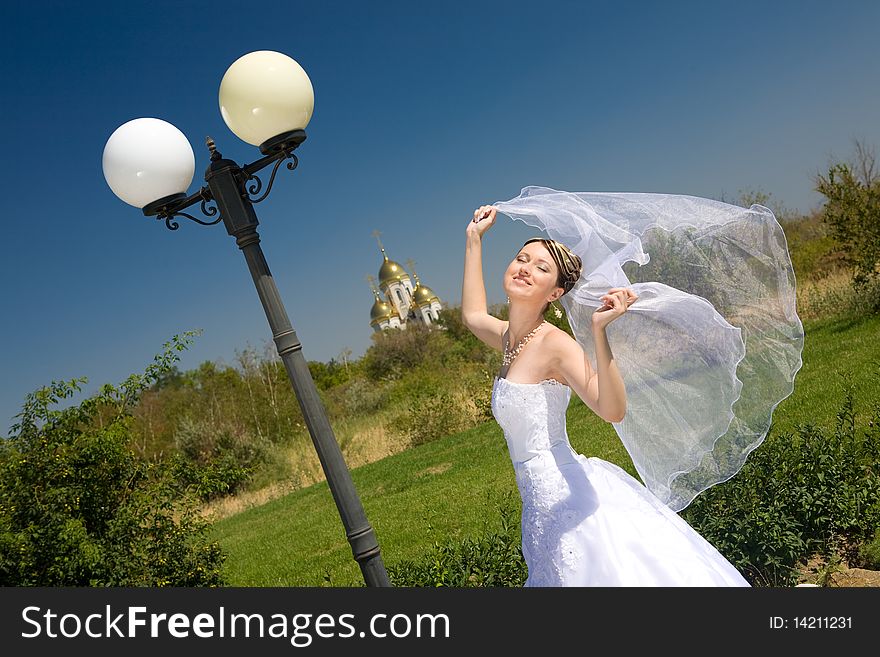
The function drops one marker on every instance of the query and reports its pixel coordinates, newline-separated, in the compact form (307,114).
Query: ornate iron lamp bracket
(173,206)
(258,184)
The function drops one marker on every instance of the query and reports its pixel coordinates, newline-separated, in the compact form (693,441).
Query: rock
(851,577)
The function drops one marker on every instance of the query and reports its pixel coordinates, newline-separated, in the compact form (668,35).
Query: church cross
(412,267)
(376,234)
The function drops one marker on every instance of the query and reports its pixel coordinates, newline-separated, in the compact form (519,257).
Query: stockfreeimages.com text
(300,629)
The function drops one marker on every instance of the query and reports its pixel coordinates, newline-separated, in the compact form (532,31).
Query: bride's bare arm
(474,311)
(601,389)
(611,390)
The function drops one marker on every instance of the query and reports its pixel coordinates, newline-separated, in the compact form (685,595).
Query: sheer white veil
(712,344)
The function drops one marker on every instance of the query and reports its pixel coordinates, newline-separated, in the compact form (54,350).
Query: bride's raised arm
(474,311)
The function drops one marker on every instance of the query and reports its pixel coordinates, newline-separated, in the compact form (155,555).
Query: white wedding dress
(585,521)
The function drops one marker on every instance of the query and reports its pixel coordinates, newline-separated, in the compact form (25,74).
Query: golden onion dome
(390,271)
(381,310)
(423,295)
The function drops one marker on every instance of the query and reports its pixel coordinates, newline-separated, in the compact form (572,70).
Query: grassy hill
(452,487)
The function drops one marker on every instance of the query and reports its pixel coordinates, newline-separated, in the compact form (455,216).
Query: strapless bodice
(532,416)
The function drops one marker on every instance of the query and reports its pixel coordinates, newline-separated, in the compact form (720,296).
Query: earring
(508,299)
(556,310)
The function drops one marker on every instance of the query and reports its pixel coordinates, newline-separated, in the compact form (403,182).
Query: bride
(585,521)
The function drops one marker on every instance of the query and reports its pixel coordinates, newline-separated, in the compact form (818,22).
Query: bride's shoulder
(560,343)
(558,336)
(568,361)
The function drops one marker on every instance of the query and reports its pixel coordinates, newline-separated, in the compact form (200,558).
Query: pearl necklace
(510,355)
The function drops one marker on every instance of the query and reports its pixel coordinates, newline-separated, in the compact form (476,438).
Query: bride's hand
(616,301)
(484,217)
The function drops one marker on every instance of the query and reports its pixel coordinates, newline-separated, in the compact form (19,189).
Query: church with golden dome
(396,300)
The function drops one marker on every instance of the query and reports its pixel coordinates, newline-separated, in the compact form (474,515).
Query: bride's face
(532,275)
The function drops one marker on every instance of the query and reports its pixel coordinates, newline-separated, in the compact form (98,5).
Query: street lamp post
(267,100)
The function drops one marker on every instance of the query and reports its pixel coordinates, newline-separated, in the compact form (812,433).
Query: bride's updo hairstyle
(568,264)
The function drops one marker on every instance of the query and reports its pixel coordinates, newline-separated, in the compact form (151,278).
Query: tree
(78,508)
(864,164)
(852,212)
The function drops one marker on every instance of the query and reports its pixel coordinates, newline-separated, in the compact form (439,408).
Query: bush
(833,295)
(852,211)
(465,346)
(214,460)
(814,252)
(221,476)
(796,495)
(395,352)
(430,417)
(434,405)
(493,559)
(78,508)
(330,374)
(870,552)
(361,396)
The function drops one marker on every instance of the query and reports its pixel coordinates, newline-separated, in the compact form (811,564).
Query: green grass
(834,349)
(450,488)
(450,485)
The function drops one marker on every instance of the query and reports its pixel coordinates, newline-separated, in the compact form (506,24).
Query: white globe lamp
(146,160)
(267,100)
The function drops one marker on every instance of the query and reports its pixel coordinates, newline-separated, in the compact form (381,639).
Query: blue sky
(423,111)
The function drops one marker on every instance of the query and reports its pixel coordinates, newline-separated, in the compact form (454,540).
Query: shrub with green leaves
(361,396)
(395,352)
(797,495)
(78,508)
(870,553)
(431,417)
(216,458)
(490,560)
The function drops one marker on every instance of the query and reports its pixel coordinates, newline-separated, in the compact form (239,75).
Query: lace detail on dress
(532,384)
(533,418)
(549,524)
